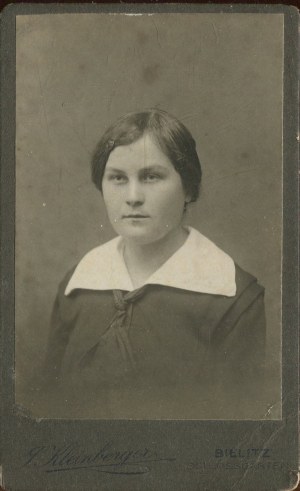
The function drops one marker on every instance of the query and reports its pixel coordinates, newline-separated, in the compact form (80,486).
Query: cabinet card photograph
(149,247)
(148,254)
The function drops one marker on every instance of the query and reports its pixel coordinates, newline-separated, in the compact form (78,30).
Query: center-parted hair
(171,136)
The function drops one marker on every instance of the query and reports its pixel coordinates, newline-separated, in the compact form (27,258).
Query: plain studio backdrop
(220,74)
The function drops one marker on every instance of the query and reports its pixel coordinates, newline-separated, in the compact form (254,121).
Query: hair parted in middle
(171,136)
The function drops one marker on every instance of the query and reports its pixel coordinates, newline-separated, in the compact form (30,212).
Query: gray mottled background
(221,74)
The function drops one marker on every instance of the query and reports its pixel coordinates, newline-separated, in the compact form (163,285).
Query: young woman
(158,323)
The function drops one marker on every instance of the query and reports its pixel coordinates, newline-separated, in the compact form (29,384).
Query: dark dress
(157,353)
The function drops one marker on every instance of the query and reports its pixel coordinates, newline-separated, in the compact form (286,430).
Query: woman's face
(143,192)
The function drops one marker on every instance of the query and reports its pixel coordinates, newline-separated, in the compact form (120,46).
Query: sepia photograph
(149,247)
(149,215)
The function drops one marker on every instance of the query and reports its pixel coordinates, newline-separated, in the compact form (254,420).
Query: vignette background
(221,74)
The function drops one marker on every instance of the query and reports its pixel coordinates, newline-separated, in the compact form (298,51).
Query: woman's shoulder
(102,253)
(247,282)
(95,268)
(87,261)
(218,266)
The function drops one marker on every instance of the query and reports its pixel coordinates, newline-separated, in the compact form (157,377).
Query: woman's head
(147,169)
(171,136)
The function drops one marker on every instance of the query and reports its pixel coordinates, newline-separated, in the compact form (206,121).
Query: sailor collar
(197,266)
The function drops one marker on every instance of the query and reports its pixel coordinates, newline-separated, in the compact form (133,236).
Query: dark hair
(172,137)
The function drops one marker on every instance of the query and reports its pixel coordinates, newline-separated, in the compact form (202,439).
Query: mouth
(135,216)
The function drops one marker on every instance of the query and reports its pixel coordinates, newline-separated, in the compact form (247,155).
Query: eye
(117,178)
(151,177)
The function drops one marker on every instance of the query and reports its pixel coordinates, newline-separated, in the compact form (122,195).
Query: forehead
(144,152)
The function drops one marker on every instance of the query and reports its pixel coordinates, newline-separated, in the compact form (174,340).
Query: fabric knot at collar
(123,300)
(121,322)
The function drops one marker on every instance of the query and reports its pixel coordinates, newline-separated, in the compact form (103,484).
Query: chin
(142,237)
(139,238)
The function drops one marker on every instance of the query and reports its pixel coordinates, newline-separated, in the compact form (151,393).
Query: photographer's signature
(107,458)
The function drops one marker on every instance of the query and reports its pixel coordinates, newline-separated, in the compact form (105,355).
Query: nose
(135,195)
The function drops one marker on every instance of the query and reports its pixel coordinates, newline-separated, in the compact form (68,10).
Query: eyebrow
(150,168)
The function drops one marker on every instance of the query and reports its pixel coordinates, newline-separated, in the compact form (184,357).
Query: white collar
(198,266)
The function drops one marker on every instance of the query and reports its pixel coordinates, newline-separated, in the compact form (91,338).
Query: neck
(142,260)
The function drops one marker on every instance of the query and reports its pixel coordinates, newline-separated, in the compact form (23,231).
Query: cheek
(111,201)
(170,204)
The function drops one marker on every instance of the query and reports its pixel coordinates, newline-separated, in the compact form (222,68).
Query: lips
(135,216)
